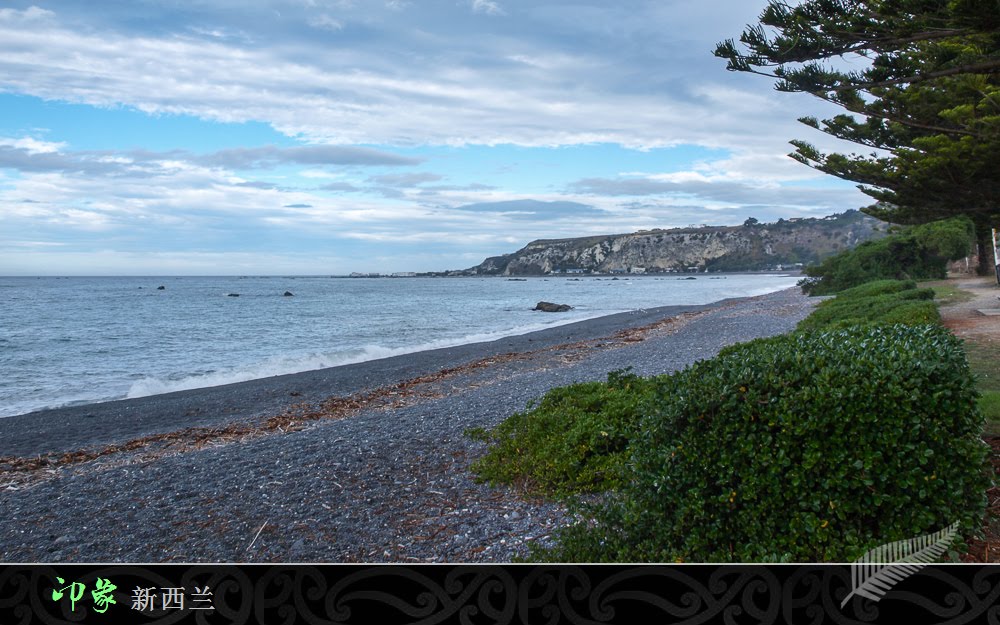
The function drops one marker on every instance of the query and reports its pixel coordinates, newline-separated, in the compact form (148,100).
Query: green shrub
(912,313)
(920,252)
(803,447)
(877,287)
(574,440)
(909,306)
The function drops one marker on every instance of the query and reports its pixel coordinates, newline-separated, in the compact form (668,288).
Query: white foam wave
(282,365)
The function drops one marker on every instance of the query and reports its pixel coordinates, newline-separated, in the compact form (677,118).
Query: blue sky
(157,137)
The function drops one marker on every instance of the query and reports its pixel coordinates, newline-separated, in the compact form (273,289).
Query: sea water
(67,341)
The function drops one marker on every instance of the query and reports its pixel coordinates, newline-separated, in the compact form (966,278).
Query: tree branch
(866,43)
(904,122)
(987,67)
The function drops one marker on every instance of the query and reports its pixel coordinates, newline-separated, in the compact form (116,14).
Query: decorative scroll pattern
(551,595)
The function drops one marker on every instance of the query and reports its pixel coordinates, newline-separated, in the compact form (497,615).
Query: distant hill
(750,247)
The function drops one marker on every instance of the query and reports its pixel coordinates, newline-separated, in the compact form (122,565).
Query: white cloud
(487,6)
(320,174)
(32,146)
(456,88)
(27,16)
(325,22)
(82,219)
(151,262)
(33,243)
(755,168)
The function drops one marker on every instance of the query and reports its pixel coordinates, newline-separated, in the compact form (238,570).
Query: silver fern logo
(876,572)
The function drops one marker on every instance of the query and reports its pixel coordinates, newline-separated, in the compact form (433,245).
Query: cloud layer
(389,119)
(529,73)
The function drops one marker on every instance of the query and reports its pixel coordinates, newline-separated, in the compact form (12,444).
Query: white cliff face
(722,248)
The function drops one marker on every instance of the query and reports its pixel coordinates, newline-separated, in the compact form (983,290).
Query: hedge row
(814,446)
(804,447)
(883,301)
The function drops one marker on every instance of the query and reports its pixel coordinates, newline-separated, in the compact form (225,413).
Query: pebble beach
(358,463)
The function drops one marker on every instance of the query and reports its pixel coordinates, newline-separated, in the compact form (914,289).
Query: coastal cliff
(752,246)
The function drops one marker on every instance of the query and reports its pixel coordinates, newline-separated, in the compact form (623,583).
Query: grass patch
(984,364)
(981,355)
(947,294)
(989,405)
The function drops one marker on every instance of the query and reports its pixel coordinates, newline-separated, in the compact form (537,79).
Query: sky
(313,137)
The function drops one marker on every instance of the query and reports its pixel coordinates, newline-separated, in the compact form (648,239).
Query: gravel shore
(361,463)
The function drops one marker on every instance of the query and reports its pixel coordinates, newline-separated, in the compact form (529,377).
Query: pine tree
(927,100)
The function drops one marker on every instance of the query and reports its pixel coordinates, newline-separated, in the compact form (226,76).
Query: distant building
(404,274)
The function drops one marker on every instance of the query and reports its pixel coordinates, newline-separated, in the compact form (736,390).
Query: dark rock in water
(161,288)
(289,294)
(233,294)
(550,307)
(688,278)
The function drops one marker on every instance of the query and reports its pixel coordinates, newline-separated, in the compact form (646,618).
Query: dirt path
(964,318)
(981,332)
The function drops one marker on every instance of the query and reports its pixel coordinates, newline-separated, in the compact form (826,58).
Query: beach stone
(550,307)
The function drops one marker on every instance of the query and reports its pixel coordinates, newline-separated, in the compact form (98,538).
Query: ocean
(69,341)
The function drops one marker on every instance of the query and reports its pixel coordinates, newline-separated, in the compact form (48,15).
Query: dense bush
(884,301)
(573,440)
(921,252)
(803,447)
(877,287)
(911,313)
